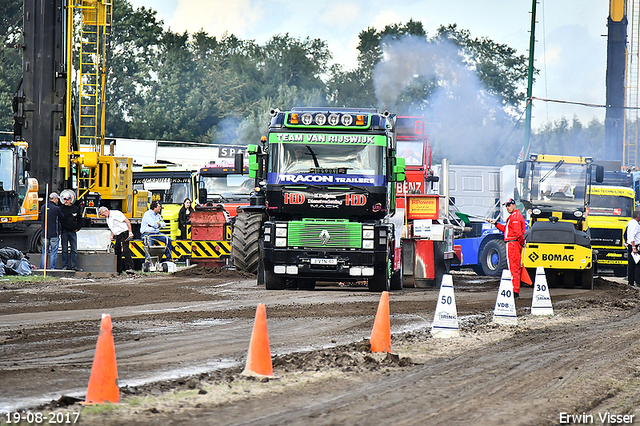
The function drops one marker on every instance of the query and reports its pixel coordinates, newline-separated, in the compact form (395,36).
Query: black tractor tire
(493,258)
(244,246)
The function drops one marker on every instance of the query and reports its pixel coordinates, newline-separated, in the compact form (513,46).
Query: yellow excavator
(59,116)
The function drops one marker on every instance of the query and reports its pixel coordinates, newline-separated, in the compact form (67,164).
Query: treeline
(172,86)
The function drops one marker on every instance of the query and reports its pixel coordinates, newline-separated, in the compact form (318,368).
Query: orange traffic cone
(381,333)
(104,373)
(259,358)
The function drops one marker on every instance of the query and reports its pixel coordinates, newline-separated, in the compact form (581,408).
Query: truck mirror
(202,196)
(599,174)
(253,170)
(522,170)
(27,165)
(239,163)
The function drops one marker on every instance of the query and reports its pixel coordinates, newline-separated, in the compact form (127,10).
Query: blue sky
(570,50)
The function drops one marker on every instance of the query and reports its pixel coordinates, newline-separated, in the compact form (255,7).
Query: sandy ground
(181,343)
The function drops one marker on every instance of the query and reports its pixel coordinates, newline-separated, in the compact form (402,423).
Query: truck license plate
(324,261)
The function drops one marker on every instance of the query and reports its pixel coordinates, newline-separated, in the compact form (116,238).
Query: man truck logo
(324,237)
(533,256)
(294,198)
(355,200)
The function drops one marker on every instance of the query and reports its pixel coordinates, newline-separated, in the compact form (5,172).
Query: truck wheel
(397,279)
(587,279)
(381,280)
(244,247)
(273,281)
(493,258)
(620,272)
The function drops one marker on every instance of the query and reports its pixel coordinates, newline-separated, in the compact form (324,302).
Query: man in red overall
(514,241)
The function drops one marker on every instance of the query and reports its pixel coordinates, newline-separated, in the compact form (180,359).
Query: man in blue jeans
(151,224)
(51,226)
(70,227)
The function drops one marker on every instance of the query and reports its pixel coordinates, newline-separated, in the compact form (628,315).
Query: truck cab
(556,190)
(326,193)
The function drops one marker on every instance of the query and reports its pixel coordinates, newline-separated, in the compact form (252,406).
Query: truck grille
(606,237)
(325,233)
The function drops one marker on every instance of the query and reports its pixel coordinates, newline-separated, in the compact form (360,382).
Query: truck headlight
(367,244)
(281,242)
(347,120)
(281,232)
(367,234)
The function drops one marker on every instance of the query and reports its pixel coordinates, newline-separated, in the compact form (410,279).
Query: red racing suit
(514,241)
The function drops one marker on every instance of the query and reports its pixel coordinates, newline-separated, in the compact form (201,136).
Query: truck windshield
(6,169)
(411,152)
(327,158)
(610,205)
(228,186)
(559,186)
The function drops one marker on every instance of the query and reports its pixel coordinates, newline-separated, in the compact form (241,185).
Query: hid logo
(355,200)
(294,198)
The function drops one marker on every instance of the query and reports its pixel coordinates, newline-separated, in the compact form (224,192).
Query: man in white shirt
(633,239)
(121,230)
(150,227)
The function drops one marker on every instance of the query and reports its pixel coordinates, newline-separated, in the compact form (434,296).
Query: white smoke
(465,122)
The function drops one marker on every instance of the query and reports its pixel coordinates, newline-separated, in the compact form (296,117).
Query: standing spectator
(70,226)
(184,217)
(150,227)
(514,241)
(121,230)
(51,222)
(633,239)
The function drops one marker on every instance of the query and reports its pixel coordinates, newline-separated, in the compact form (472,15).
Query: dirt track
(583,359)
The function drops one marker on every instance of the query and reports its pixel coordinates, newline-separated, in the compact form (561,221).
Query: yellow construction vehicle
(59,114)
(556,191)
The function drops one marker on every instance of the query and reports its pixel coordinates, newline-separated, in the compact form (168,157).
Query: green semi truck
(324,201)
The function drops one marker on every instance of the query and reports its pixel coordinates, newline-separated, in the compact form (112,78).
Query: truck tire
(493,258)
(397,279)
(273,281)
(244,246)
(381,280)
(587,279)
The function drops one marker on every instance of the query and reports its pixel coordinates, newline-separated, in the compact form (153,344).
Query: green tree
(10,58)
(134,47)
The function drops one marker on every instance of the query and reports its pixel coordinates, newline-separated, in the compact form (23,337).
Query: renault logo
(324,237)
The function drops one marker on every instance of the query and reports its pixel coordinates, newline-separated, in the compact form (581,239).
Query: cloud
(384,18)
(340,15)
(215,16)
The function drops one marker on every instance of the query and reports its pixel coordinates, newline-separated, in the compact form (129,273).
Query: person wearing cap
(513,231)
(70,227)
(51,226)
(150,227)
(121,230)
